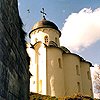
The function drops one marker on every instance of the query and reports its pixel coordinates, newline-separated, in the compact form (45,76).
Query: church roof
(44,24)
(65,49)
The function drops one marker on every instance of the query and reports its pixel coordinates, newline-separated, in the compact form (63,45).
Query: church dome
(45,24)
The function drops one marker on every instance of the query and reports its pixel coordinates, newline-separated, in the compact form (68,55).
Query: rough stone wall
(14,73)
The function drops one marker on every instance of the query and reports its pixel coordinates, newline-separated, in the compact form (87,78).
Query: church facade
(55,70)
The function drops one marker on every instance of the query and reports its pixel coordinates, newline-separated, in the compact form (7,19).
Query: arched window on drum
(46,39)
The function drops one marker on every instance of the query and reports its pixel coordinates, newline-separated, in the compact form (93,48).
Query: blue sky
(65,13)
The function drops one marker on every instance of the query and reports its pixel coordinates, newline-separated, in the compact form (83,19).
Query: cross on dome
(42,12)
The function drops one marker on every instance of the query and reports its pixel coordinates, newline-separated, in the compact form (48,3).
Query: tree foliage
(96,81)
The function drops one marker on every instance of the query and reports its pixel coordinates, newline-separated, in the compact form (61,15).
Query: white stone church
(55,70)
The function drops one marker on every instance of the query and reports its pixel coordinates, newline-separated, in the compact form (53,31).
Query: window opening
(40,86)
(55,39)
(59,62)
(36,39)
(77,70)
(46,39)
(88,75)
(78,86)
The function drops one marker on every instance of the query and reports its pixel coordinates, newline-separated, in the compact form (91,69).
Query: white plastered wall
(55,75)
(86,83)
(70,76)
(41,33)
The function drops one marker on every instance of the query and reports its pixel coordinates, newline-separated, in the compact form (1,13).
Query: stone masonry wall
(14,72)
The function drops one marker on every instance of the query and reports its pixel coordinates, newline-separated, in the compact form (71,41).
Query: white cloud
(81,29)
